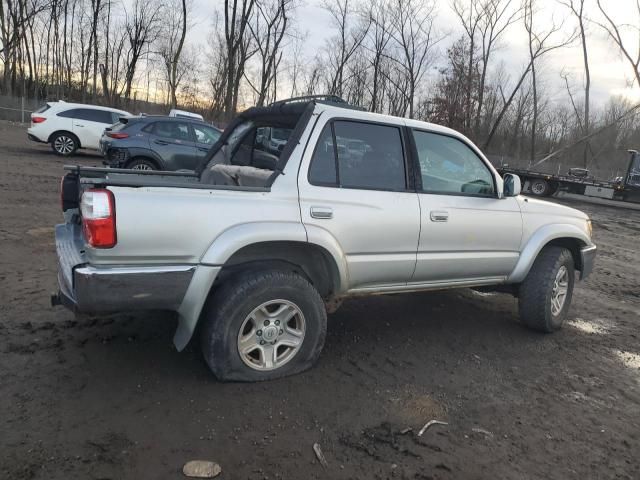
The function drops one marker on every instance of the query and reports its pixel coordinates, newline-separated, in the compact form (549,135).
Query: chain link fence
(18,109)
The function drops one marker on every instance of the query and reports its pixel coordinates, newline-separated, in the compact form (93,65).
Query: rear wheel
(263,325)
(64,144)
(141,164)
(539,187)
(545,295)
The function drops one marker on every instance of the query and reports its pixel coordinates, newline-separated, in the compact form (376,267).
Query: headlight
(589,228)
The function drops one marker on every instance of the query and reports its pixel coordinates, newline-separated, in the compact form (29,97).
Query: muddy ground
(110,398)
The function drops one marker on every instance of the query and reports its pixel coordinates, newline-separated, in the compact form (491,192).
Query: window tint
(369,156)
(323,163)
(88,114)
(172,130)
(206,134)
(448,165)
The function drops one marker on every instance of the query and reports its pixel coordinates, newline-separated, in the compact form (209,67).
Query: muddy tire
(545,294)
(262,325)
(64,144)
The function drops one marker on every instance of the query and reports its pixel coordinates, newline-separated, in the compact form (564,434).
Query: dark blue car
(157,143)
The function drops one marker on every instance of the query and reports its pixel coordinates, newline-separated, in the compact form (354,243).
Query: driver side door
(467,233)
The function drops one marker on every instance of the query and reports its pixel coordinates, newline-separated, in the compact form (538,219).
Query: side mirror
(512,185)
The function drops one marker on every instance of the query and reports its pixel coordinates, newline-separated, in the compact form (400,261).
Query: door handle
(321,212)
(439,216)
(77,125)
(160,142)
(204,149)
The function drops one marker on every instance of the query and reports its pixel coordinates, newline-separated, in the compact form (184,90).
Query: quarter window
(369,156)
(448,165)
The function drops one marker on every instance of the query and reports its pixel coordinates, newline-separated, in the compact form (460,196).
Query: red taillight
(37,119)
(99,218)
(117,134)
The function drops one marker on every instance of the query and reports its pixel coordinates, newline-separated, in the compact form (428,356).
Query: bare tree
(496,17)
(412,30)
(237,15)
(540,43)
(617,34)
(345,43)
(378,40)
(142,29)
(268,29)
(577,9)
(172,36)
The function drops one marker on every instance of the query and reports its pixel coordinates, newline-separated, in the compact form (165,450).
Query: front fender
(538,240)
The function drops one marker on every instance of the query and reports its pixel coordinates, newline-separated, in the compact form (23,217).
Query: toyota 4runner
(259,244)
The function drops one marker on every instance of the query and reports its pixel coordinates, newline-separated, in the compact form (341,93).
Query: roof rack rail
(307,98)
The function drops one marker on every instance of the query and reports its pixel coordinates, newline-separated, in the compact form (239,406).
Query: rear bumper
(32,136)
(107,289)
(587,257)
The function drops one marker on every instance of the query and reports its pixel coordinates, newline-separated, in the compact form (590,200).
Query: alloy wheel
(271,335)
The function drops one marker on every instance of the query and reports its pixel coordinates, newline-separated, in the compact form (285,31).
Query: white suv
(69,126)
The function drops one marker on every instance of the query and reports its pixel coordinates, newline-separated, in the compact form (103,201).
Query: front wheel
(262,325)
(545,294)
(64,144)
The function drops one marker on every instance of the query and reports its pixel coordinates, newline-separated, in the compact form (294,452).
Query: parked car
(255,248)
(273,139)
(184,114)
(70,126)
(157,143)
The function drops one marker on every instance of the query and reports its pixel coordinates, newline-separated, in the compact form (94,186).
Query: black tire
(142,164)
(64,144)
(539,187)
(231,305)
(535,292)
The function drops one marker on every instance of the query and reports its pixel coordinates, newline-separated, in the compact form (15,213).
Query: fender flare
(538,240)
(231,241)
(239,236)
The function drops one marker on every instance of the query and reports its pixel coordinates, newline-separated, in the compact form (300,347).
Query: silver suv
(256,247)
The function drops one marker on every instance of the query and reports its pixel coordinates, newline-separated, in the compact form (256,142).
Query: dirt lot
(110,398)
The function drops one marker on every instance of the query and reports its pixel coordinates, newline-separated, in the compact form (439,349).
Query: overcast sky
(610,75)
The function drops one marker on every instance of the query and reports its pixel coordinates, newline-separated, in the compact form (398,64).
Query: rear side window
(171,130)
(369,156)
(89,114)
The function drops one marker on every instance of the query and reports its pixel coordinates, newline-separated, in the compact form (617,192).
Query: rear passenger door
(354,190)
(172,141)
(89,124)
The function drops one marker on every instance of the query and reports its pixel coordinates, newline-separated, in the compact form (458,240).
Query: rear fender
(231,241)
